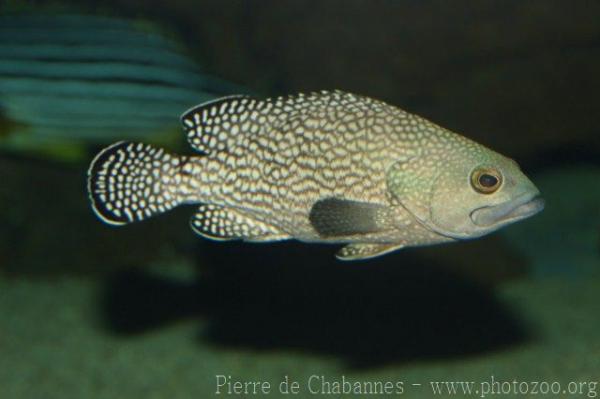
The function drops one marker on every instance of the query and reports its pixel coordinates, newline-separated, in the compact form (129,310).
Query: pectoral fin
(335,217)
(360,251)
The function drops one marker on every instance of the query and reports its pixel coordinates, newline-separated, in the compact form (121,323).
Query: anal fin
(222,223)
(358,251)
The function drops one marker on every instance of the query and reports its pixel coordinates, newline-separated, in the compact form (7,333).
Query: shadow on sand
(291,296)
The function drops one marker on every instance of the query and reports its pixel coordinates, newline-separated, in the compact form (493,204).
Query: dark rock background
(519,76)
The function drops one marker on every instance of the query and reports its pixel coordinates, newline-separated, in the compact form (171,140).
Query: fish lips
(520,208)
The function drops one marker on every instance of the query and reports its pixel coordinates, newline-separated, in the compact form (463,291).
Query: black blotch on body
(335,217)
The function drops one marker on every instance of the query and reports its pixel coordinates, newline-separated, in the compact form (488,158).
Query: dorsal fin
(208,126)
(213,126)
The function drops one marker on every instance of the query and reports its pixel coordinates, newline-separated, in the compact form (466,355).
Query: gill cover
(430,189)
(410,183)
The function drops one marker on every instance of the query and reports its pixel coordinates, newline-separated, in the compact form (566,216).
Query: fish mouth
(520,208)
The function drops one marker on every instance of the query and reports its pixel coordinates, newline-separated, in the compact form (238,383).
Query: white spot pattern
(130,182)
(220,223)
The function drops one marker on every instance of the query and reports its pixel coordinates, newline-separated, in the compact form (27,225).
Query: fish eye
(486,180)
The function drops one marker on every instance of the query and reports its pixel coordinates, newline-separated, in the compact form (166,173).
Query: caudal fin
(128,182)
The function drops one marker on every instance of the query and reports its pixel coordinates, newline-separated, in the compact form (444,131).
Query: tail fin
(128,182)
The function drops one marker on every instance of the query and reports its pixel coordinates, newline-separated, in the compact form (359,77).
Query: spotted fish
(327,167)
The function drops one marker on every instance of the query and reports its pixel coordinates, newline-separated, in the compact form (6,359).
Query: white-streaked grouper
(322,167)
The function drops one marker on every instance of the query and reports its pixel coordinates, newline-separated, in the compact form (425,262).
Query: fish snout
(519,208)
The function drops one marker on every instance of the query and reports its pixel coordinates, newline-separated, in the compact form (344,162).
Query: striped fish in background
(70,81)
